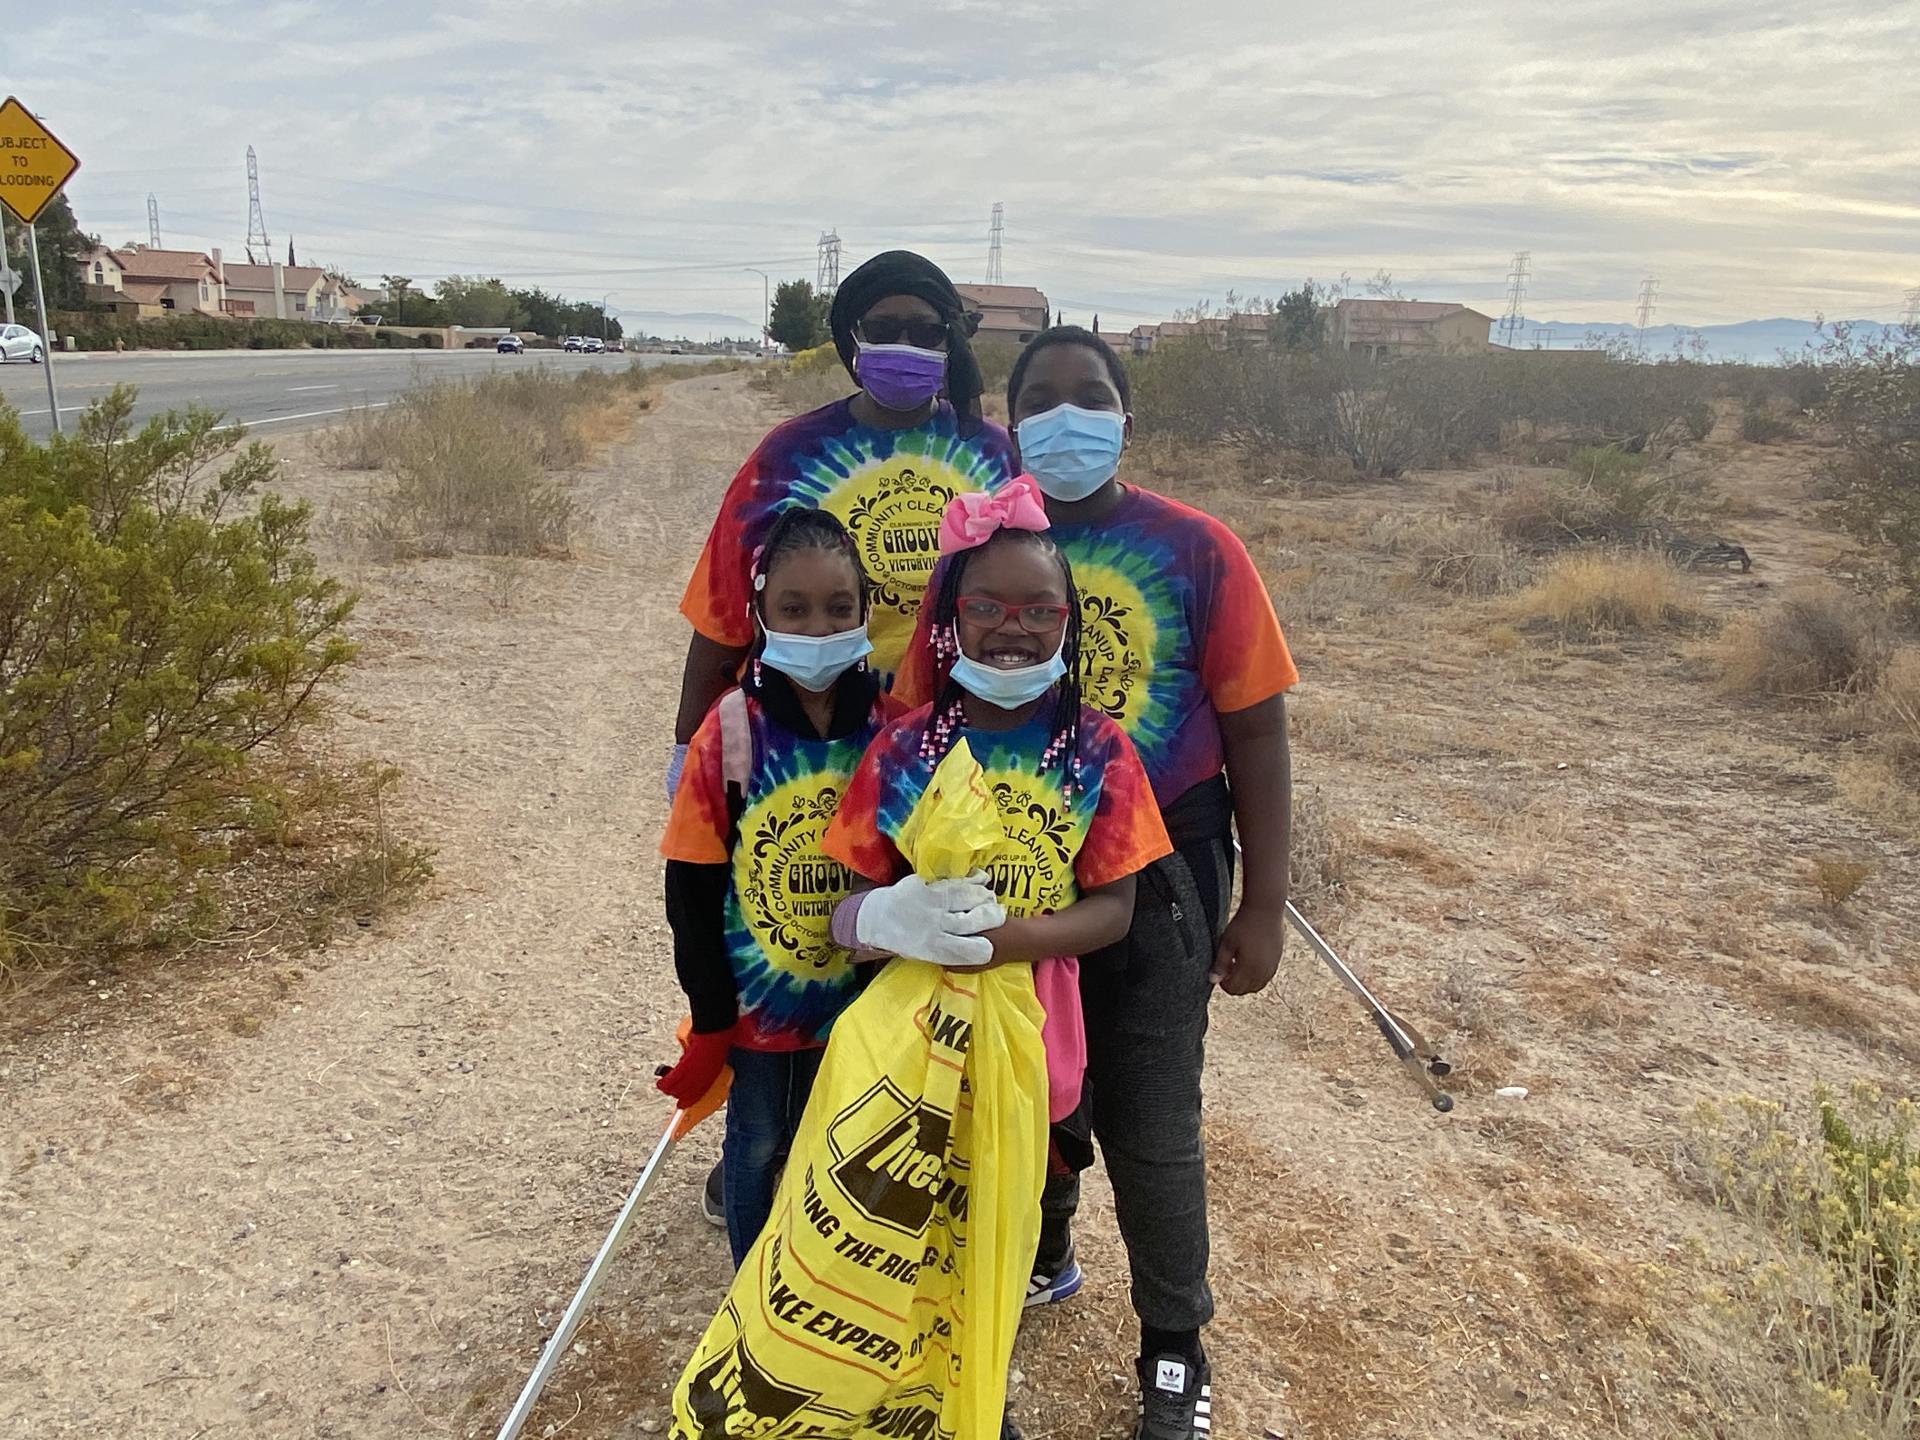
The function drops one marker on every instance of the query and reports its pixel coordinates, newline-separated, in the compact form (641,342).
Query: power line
(828,278)
(256,217)
(994,236)
(1516,297)
(1643,313)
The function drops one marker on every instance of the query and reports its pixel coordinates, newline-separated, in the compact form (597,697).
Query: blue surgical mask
(814,662)
(1071,451)
(1010,689)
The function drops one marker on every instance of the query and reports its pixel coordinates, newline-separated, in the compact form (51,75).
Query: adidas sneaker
(1176,1399)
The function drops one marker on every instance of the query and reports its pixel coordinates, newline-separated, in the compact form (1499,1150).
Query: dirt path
(341,1196)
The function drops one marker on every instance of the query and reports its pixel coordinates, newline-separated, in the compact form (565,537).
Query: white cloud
(1757,157)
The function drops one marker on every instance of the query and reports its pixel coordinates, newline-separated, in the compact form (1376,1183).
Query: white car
(17,342)
(593,345)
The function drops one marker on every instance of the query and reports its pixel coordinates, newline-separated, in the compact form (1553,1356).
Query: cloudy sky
(1759,158)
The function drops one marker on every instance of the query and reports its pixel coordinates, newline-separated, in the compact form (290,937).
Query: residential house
(1248,330)
(1379,328)
(287,292)
(140,280)
(1007,312)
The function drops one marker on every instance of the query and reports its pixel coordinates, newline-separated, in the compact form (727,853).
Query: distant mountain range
(1761,341)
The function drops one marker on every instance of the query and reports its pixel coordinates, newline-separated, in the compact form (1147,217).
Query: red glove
(700,1065)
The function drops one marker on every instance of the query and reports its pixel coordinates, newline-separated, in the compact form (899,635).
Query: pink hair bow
(974,519)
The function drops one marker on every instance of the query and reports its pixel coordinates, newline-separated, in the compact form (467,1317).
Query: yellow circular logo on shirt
(1117,639)
(1037,875)
(786,885)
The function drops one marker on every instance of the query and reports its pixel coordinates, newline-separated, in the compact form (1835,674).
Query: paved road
(274,390)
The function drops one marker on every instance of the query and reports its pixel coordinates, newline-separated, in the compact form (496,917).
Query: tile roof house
(1407,327)
(306,292)
(1007,312)
(143,280)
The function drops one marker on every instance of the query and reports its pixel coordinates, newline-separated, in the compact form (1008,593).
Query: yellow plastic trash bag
(883,1297)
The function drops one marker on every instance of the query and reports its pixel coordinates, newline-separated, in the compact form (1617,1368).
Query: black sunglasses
(886,330)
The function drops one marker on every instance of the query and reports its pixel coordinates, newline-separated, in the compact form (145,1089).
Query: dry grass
(1839,879)
(1818,641)
(1457,554)
(1319,854)
(1587,596)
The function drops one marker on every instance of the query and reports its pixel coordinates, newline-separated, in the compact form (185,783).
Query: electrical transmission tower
(828,280)
(995,276)
(1543,339)
(153,220)
(256,217)
(1643,315)
(1912,318)
(1516,297)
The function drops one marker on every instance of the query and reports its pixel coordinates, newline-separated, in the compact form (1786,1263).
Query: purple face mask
(900,377)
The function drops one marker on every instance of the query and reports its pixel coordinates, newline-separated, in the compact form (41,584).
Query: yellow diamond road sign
(33,164)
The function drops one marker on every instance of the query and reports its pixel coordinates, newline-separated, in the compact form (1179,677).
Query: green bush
(153,638)
(1872,410)
(99,329)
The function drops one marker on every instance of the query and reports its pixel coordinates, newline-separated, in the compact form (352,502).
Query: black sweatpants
(1146,1011)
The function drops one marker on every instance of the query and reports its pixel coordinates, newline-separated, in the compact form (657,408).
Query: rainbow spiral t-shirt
(1176,627)
(888,487)
(791,979)
(1111,830)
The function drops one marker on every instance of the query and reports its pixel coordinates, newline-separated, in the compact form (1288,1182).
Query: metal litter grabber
(1423,1062)
(683,1122)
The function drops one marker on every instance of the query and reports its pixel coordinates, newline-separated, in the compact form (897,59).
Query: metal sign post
(9,281)
(46,331)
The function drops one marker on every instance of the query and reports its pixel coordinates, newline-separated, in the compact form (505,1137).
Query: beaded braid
(798,528)
(948,714)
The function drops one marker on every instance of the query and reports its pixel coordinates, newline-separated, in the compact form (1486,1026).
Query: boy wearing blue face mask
(750,893)
(1179,646)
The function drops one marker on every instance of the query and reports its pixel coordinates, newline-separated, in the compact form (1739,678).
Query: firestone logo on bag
(895,1165)
(734,1384)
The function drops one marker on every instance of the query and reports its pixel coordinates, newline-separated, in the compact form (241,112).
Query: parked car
(593,345)
(365,319)
(616,347)
(509,345)
(17,342)
(574,342)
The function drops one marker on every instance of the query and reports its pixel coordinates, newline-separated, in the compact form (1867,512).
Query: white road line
(294,389)
(305,414)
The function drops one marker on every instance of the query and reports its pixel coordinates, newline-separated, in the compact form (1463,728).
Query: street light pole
(766,303)
(603,318)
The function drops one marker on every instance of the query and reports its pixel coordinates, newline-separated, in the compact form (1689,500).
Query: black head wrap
(901,272)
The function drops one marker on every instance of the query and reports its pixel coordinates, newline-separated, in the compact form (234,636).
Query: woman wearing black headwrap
(885,461)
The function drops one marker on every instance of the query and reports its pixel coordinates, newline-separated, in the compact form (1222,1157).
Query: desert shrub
(99,329)
(1833,1198)
(152,641)
(1839,879)
(1318,856)
(1893,706)
(1593,594)
(1604,496)
(1818,641)
(1761,426)
(1461,554)
(1872,410)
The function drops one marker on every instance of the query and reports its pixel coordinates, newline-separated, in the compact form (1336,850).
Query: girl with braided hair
(1071,792)
(750,894)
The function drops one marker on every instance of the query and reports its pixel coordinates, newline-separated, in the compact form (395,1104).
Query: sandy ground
(340,1194)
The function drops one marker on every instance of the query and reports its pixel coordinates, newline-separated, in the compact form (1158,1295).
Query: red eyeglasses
(990,614)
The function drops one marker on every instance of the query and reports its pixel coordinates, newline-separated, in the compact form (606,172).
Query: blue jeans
(769,1095)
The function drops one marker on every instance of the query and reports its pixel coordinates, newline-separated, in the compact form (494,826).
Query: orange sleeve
(854,837)
(1126,833)
(913,682)
(716,597)
(698,823)
(1246,658)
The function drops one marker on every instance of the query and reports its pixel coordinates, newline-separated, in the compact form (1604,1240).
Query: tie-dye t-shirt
(1111,830)
(1176,628)
(791,979)
(888,487)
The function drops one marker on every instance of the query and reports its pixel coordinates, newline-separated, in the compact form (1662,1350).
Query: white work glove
(940,921)
(676,762)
